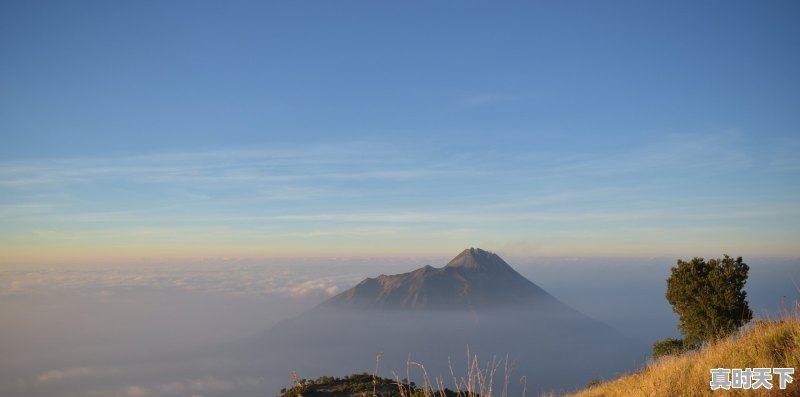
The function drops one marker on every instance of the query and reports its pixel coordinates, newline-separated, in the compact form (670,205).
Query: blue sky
(202,129)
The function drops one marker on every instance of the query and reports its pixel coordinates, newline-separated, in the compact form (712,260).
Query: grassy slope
(765,344)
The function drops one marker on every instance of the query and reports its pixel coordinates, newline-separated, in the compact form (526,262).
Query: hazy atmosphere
(179,178)
(118,330)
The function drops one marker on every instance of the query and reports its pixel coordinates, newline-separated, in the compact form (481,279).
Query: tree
(709,298)
(667,347)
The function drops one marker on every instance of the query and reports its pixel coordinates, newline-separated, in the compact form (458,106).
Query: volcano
(475,280)
(433,315)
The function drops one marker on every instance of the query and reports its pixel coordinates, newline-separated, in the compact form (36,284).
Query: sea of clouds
(167,329)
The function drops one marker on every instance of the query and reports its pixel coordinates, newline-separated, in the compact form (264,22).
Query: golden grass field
(764,343)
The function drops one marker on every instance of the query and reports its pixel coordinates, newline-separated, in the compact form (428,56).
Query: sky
(186,131)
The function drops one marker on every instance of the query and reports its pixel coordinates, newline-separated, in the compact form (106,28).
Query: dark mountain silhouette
(473,280)
(433,315)
(361,385)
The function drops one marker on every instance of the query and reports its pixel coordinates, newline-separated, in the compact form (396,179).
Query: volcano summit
(476,301)
(475,280)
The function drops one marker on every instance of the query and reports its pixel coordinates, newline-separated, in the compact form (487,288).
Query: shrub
(668,347)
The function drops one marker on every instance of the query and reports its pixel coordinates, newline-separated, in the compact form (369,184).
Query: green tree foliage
(362,385)
(667,347)
(709,298)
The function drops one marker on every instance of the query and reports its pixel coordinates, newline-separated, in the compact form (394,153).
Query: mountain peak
(474,279)
(476,258)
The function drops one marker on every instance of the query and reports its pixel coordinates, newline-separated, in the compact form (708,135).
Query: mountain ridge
(476,303)
(474,280)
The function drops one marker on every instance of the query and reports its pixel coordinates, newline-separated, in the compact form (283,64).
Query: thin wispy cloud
(333,192)
(171,188)
(57,375)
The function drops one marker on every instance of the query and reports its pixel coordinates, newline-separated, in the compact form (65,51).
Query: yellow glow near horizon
(123,246)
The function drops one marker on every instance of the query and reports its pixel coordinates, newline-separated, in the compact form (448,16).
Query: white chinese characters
(749,378)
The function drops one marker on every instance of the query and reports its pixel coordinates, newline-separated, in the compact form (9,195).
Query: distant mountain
(434,315)
(474,280)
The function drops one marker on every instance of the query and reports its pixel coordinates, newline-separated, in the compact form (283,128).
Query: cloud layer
(669,195)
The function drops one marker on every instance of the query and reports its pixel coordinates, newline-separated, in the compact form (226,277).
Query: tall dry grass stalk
(479,381)
(761,344)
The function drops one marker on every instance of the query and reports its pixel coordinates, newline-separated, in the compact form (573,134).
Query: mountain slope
(476,302)
(765,345)
(473,280)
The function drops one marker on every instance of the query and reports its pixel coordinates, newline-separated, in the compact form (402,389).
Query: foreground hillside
(773,344)
(765,344)
(362,385)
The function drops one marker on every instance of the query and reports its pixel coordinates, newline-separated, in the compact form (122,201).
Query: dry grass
(479,381)
(763,344)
